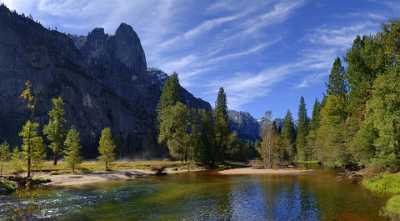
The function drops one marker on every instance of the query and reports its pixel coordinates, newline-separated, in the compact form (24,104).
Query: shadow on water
(206,196)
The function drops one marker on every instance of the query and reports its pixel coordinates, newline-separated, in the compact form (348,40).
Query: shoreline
(69,179)
(254,171)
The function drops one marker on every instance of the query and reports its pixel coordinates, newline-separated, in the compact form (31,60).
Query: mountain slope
(103,80)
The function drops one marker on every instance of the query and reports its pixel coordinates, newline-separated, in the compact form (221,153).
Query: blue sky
(266,54)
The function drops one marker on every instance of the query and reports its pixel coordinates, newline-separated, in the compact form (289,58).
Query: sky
(266,54)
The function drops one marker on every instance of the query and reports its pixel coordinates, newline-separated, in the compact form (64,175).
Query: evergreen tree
(32,145)
(330,135)
(4,155)
(16,160)
(204,140)
(337,84)
(55,129)
(106,148)
(72,150)
(175,130)
(313,128)
(383,118)
(171,93)
(302,132)
(29,98)
(287,138)
(222,131)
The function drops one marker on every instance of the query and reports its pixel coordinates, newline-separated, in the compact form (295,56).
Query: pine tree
(29,98)
(72,150)
(337,84)
(287,138)
(32,146)
(313,128)
(106,148)
(171,93)
(302,132)
(204,140)
(175,131)
(55,129)
(222,131)
(330,135)
(16,160)
(4,155)
(383,117)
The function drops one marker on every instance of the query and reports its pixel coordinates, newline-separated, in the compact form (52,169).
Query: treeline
(197,135)
(357,123)
(60,140)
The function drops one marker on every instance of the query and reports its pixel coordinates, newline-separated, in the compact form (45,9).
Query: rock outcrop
(102,78)
(245,126)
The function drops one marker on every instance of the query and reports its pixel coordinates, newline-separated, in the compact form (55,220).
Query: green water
(204,196)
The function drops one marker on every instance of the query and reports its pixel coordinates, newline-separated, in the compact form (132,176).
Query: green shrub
(383,183)
(7,187)
(392,208)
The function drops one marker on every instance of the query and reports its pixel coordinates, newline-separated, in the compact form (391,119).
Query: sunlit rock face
(245,126)
(102,78)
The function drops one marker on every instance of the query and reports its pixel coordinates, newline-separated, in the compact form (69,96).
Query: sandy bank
(253,171)
(99,177)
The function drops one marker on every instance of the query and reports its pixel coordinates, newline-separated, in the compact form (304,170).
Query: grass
(387,183)
(96,166)
(383,183)
(392,208)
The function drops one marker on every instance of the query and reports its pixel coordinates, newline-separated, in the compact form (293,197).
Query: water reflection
(207,197)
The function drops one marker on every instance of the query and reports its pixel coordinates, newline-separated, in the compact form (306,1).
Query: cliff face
(244,125)
(103,80)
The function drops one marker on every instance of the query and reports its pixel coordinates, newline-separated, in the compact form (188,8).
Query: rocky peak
(244,125)
(128,48)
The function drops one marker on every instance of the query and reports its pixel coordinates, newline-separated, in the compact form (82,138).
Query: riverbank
(62,180)
(254,171)
(386,184)
(91,172)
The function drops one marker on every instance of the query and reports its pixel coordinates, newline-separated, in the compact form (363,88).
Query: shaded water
(204,196)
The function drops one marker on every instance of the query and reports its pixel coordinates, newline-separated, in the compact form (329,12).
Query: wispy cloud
(243,88)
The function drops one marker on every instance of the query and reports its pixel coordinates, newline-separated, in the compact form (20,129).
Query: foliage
(72,153)
(222,131)
(55,129)
(268,148)
(4,155)
(33,150)
(203,137)
(175,131)
(392,208)
(336,84)
(302,131)
(16,160)
(287,139)
(27,95)
(383,183)
(170,94)
(106,148)
(330,137)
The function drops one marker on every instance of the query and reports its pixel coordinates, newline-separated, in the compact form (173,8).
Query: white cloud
(244,88)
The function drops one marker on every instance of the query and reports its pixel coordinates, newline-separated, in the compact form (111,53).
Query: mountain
(245,126)
(103,79)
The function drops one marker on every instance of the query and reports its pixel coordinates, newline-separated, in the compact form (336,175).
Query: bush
(392,208)
(7,187)
(383,183)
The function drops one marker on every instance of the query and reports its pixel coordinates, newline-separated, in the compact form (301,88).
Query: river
(202,196)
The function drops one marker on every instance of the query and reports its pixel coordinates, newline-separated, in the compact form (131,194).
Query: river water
(202,196)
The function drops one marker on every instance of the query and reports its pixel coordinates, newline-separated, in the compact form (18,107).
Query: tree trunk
(55,158)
